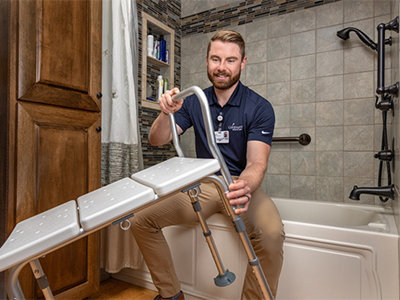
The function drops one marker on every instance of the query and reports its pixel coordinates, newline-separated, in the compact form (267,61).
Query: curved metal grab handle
(208,125)
(175,137)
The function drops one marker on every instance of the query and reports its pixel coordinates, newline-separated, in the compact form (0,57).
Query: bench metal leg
(13,287)
(241,230)
(14,290)
(225,277)
(41,279)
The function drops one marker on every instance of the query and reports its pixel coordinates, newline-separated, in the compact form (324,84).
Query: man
(244,124)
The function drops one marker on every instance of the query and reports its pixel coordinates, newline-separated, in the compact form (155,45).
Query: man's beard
(223,85)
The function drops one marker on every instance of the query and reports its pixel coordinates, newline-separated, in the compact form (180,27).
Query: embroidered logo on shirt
(234,127)
(265,132)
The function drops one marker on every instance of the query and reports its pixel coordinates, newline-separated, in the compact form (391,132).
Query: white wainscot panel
(323,270)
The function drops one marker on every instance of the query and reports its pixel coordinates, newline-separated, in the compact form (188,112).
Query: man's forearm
(253,175)
(160,131)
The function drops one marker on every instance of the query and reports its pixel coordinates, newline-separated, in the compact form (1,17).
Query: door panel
(71,43)
(52,156)
(54,57)
(59,60)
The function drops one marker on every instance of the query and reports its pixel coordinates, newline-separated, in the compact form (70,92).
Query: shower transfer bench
(117,202)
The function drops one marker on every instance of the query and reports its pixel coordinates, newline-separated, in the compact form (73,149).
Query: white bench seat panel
(112,202)
(40,233)
(176,173)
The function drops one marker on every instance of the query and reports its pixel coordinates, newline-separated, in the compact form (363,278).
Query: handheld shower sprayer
(344,34)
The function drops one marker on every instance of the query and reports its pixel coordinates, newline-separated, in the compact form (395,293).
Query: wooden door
(53,132)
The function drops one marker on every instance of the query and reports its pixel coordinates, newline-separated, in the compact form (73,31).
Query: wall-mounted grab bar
(393,26)
(304,139)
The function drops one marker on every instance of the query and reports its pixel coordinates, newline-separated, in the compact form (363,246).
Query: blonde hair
(229,36)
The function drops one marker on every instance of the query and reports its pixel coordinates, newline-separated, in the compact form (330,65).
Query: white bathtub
(332,251)
(338,251)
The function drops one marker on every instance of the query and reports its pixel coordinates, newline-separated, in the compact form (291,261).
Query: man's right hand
(160,131)
(167,105)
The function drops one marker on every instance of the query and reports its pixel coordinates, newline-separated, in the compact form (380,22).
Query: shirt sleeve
(263,123)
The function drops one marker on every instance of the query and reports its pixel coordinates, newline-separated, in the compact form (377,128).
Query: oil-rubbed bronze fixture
(304,139)
(386,192)
(386,94)
(382,27)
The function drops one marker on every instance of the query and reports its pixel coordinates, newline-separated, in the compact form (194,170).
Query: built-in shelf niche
(166,69)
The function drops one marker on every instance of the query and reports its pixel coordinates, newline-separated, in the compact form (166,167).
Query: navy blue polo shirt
(247,116)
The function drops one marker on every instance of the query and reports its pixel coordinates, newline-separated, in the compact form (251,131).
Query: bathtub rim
(387,214)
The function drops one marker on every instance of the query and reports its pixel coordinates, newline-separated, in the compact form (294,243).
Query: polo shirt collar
(235,98)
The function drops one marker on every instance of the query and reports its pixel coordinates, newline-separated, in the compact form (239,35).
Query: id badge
(222,137)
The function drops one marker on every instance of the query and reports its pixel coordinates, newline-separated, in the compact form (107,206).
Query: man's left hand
(239,195)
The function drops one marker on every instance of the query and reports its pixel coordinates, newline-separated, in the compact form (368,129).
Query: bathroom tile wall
(317,83)
(190,7)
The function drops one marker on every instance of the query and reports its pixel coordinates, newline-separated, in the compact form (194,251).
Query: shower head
(344,34)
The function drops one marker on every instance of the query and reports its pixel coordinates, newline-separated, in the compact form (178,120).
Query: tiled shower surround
(317,84)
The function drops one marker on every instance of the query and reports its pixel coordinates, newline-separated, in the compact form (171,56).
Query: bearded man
(244,123)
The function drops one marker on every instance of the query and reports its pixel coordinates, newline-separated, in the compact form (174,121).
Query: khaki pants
(263,225)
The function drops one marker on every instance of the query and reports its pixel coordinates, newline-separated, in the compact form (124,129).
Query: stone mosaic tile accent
(245,12)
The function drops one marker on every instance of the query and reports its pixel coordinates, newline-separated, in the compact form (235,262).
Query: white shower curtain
(121,148)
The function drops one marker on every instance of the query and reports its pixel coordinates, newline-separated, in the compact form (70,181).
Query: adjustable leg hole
(125,225)
(193,193)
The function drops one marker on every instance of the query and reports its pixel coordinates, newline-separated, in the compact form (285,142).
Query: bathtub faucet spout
(383,191)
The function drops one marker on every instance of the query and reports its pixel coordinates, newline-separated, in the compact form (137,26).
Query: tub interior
(317,212)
